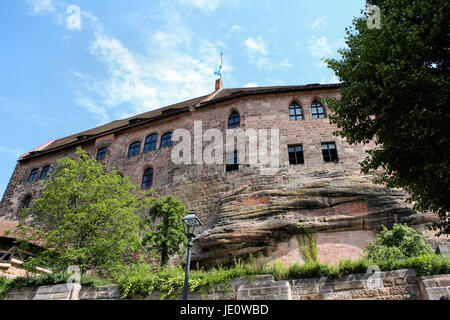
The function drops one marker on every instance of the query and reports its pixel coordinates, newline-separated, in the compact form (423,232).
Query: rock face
(256,219)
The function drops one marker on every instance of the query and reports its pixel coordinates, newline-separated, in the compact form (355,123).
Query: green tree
(400,242)
(168,234)
(85,217)
(395,92)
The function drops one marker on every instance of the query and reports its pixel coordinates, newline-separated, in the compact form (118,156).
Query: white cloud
(236,28)
(99,111)
(319,47)
(286,63)
(319,23)
(256,45)
(251,85)
(204,5)
(174,66)
(42,6)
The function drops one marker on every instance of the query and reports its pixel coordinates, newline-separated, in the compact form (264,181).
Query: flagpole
(221,65)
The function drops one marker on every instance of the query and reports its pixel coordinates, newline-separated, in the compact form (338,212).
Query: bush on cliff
(400,242)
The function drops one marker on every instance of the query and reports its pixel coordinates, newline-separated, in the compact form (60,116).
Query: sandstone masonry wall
(392,285)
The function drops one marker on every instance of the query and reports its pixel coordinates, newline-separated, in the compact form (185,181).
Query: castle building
(311,187)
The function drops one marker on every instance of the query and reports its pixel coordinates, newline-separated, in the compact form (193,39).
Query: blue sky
(58,78)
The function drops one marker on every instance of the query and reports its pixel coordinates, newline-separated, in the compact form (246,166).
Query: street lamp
(190,222)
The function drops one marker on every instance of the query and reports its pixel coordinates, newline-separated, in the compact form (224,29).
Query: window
(147,179)
(296,154)
(317,110)
(26,202)
(101,153)
(33,175)
(134,148)
(295,111)
(150,142)
(166,140)
(234,120)
(44,172)
(329,152)
(232,162)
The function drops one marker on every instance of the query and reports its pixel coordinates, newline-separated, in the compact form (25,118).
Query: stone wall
(64,292)
(392,285)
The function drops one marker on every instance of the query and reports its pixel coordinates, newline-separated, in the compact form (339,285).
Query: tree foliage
(395,92)
(165,240)
(85,217)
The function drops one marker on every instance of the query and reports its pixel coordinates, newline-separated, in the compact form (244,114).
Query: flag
(218,71)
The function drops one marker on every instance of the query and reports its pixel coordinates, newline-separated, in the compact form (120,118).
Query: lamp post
(190,222)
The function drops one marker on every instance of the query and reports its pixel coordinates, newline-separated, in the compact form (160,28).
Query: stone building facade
(248,210)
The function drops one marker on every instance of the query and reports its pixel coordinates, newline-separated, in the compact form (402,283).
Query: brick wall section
(335,246)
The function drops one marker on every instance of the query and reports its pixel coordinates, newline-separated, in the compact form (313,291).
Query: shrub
(398,243)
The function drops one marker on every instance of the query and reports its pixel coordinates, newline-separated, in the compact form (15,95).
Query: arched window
(234,120)
(44,172)
(166,140)
(134,148)
(101,153)
(295,111)
(33,175)
(147,179)
(317,110)
(150,142)
(26,202)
